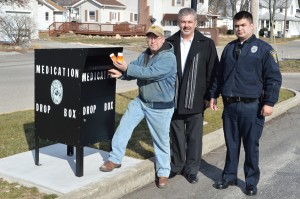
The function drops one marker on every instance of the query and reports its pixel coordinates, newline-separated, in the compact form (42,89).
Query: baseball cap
(157,30)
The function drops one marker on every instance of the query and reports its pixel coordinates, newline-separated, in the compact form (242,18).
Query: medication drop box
(74,98)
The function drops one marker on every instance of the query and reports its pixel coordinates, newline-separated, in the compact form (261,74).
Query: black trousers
(186,142)
(242,123)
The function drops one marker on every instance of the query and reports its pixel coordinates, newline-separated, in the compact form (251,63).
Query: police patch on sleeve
(274,55)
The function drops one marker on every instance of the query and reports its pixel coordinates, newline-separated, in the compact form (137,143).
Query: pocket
(260,121)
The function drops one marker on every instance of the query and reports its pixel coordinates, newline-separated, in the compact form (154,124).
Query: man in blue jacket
(155,71)
(249,80)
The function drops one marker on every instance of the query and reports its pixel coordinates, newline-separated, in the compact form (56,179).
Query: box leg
(70,150)
(79,161)
(37,149)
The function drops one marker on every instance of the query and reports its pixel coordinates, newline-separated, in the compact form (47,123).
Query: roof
(110,2)
(55,5)
(69,3)
(278,17)
(280,3)
(174,17)
(66,2)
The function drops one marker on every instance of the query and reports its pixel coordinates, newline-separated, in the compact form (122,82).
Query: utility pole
(194,5)
(285,16)
(254,11)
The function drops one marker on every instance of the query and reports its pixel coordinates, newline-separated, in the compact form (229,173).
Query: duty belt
(229,100)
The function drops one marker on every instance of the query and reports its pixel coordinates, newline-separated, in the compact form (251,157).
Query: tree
(16,2)
(218,7)
(16,28)
(272,6)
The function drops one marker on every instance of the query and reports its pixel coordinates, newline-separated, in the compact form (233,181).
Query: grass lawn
(17,129)
(290,65)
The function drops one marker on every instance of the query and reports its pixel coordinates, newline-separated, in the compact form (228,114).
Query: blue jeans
(158,121)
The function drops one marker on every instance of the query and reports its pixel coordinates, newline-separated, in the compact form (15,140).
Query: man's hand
(266,110)
(121,65)
(114,73)
(213,104)
(206,103)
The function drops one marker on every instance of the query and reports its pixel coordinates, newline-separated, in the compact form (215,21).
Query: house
(134,12)
(165,13)
(225,21)
(292,20)
(42,12)
(95,11)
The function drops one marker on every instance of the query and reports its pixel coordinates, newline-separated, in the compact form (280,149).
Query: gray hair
(185,12)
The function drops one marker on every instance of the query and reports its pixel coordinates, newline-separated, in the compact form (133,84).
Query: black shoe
(172,174)
(191,178)
(223,184)
(251,191)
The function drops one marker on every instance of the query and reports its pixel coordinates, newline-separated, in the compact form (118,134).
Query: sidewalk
(56,174)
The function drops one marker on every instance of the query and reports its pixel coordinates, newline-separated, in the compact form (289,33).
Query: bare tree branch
(17,28)
(16,2)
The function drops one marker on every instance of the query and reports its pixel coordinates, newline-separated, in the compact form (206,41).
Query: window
(113,16)
(92,15)
(287,26)
(201,1)
(47,16)
(267,24)
(135,17)
(170,23)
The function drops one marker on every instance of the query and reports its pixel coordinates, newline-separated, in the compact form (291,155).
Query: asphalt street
(17,76)
(279,164)
(17,73)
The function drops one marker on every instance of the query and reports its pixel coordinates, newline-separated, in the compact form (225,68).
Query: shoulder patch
(274,55)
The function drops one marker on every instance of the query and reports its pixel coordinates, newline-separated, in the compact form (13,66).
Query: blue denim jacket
(155,75)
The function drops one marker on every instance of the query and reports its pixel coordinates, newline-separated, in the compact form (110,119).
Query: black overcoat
(203,53)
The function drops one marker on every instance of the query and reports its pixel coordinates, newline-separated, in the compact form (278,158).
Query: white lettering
(42,108)
(38,69)
(70,113)
(108,106)
(87,110)
(94,76)
(57,71)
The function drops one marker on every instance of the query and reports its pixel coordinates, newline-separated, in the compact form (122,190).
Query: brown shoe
(109,166)
(162,182)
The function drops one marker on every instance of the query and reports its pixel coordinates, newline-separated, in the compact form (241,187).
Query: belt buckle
(238,99)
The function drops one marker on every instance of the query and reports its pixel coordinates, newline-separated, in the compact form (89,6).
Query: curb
(143,173)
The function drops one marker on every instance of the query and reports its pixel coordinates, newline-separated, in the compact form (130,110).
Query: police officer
(249,80)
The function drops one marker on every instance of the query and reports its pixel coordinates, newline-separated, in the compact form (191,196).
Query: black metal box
(74,98)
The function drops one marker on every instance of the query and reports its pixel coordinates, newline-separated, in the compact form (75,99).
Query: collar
(248,40)
(190,40)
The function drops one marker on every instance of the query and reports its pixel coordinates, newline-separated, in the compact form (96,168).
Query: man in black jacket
(196,58)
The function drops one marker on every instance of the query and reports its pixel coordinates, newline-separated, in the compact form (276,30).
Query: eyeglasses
(153,39)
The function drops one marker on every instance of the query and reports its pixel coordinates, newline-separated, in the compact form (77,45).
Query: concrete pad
(56,174)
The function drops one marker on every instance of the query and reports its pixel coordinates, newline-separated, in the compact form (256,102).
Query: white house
(95,11)
(225,21)
(165,12)
(48,12)
(131,13)
(293,18)
(42,12)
